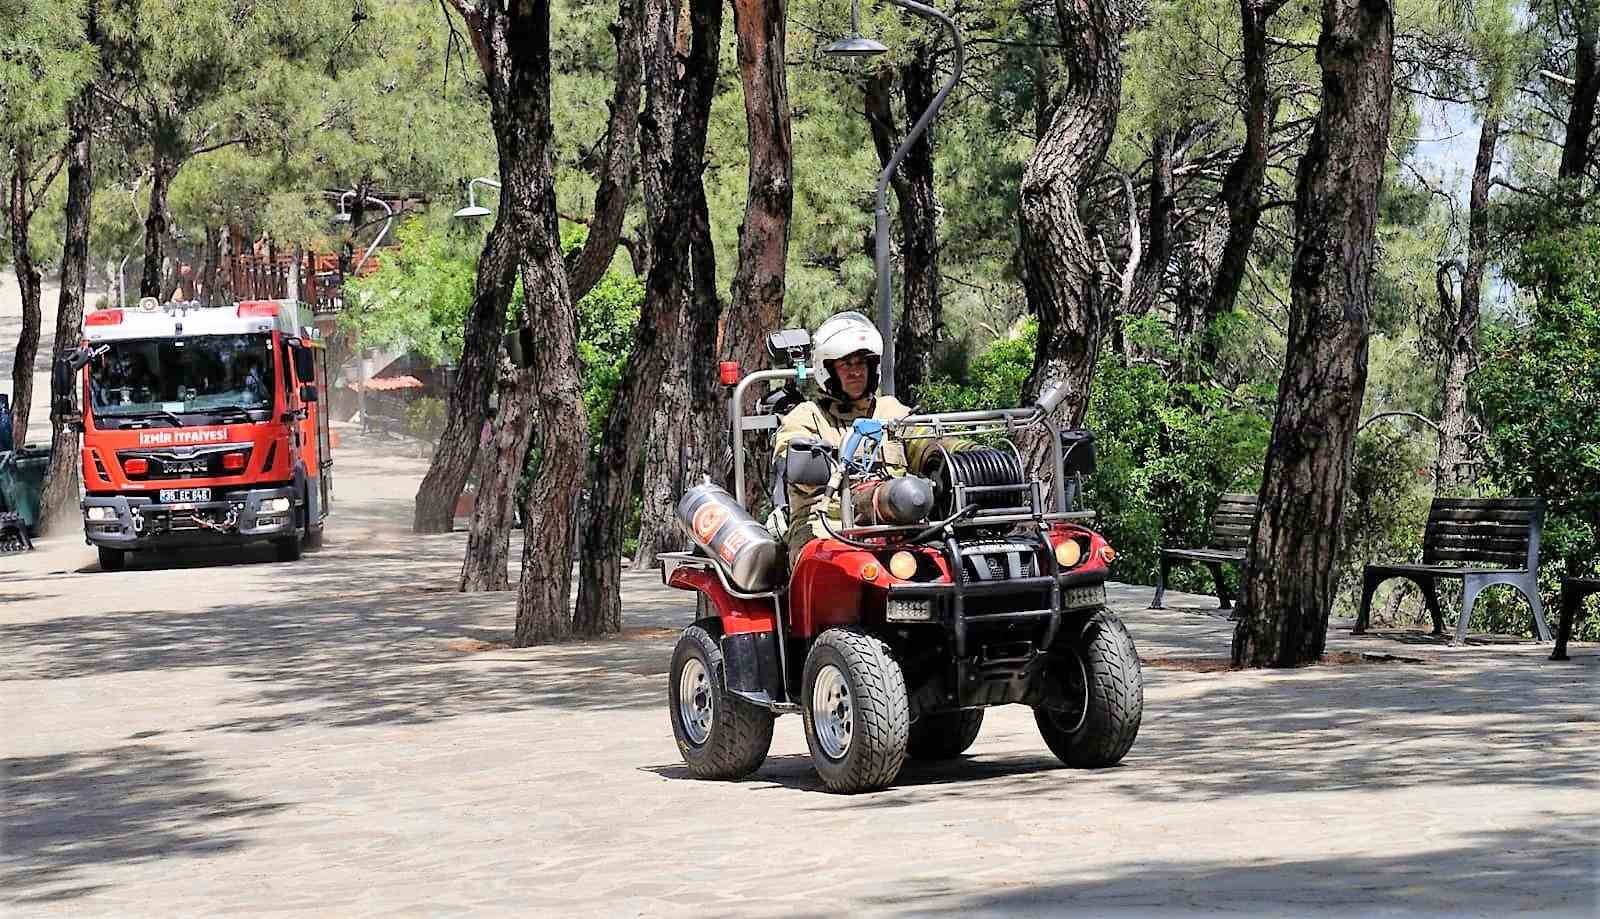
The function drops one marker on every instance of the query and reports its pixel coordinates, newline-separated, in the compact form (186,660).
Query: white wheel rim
(695,709)
(832,711)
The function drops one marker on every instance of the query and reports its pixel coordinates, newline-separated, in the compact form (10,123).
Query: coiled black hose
(975,467)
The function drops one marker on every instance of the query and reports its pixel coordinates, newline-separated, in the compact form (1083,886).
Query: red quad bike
(969,586)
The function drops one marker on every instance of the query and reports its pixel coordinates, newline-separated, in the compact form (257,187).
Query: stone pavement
(343,736)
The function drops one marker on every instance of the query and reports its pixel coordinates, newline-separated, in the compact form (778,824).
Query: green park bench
(1462,539)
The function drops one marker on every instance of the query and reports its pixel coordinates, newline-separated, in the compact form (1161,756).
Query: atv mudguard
(746,631)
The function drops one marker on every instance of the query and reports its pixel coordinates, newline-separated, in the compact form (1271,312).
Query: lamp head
(853,46)
(472,211)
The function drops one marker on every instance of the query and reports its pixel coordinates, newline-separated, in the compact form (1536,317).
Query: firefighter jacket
(829,420)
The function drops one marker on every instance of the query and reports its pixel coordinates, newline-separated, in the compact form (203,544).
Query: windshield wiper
(231,411)
(155,413)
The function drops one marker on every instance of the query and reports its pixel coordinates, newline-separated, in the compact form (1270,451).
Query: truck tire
(945,735)
(112,559)
(857,717)
(1100,669)
(287,548)
(720,735)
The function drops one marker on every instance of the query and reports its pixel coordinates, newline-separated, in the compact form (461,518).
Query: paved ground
(330,737)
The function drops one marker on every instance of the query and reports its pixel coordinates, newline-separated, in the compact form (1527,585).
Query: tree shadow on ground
(69,812)
(1551,869)
(320,656)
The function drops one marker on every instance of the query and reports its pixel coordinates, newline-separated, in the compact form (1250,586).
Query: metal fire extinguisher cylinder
(741,546)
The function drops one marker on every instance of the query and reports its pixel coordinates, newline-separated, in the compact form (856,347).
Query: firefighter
(845,351)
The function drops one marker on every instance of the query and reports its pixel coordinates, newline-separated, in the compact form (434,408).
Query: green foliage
(606,320)
(425,418)
(418,300)
(1539,392)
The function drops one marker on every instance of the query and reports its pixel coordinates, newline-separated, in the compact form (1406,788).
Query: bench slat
(1489,530)
(1514,559)
(1517,547)
(1230,542)
(1238,507)
(1498,540)
(1448,515)
(1486,504)
(1232,529)
(1236,498)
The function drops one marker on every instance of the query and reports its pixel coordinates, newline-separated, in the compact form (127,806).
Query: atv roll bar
(1002,420)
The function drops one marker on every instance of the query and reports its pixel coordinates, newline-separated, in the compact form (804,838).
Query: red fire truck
(202,427)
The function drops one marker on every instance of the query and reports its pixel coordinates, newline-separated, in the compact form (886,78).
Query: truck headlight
(100,513)
(274,506)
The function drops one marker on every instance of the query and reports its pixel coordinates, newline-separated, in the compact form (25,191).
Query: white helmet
(840,336)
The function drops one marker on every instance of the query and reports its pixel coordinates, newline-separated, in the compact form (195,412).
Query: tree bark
(1291,570)
(1577,150)
(588,264)
(59,502)
(19,213)
(665,463)
(680,85)
(516,38)
(1241,187)
(1060,272)
(156,225)
(500,469)
(211,270)
(758,281)
(921,325)
(454,454)
(1461,333)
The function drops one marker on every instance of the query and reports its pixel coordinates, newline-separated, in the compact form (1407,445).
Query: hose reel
(977,467)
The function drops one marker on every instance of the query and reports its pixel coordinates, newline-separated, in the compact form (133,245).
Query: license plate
(184,495)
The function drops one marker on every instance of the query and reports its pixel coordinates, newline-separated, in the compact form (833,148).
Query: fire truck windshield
(167,377)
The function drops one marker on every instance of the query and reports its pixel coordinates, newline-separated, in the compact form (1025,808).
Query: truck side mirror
(305,367)
(308,393)
(61,375)
(806,463)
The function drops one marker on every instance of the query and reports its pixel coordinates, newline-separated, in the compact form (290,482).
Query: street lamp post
(856,46)
(473,209)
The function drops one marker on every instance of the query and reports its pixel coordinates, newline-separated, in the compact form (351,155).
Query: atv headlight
(1068,553)
(903,565)
(274,506)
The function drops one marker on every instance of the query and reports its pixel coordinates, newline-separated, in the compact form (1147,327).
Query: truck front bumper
(235,518)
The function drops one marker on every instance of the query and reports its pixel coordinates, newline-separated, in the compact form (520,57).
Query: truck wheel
(1094,721)
(288,548)
(112,559)
(945,735)
(857,717)
(720,735)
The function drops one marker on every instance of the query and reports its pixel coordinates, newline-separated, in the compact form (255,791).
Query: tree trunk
(1241,187)
(758,281)
(1060,273)
(1291,571)
(500,469)
(514,42)
(156,224)
(19,210)
(1461,335)
(59,501)
(680,86)
(921,318)
(665,463)
(211,270)
(1577,151)
(588,264)
(454,454)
